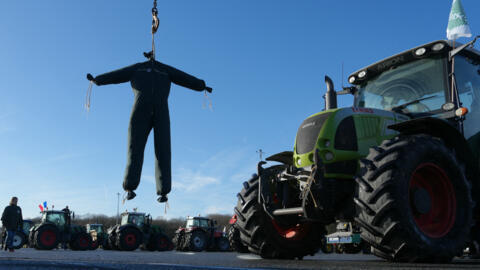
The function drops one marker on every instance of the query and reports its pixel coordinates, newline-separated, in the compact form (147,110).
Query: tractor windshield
(56,218)
(197,223)
(97,228)
(422,83)
(138,220)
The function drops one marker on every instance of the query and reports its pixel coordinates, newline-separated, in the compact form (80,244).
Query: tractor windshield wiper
(399,108)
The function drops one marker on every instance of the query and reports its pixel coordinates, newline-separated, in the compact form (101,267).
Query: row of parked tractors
(135,230)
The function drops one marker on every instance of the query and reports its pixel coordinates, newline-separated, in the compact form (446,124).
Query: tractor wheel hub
(422,201)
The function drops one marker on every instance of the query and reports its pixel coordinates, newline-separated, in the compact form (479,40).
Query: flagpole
(452,76)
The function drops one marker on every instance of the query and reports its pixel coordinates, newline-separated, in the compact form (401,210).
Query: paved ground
(137,260)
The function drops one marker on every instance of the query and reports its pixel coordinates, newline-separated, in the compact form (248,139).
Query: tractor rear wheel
(81,241)
(129,239)
(235,241)
(162,242)
(196,240)
(267,237)
(19,240)
(46,238)
(413,200)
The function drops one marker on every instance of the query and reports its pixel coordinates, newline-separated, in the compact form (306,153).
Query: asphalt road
(100,259)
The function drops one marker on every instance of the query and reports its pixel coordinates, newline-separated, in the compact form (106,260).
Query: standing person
(150,81)
(66,237)
(12,220)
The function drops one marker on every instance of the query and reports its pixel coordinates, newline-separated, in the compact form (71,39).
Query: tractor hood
(342,135)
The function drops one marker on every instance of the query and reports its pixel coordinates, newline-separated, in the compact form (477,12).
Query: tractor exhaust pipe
(330,96)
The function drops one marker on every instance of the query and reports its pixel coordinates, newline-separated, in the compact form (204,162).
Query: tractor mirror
(73,215)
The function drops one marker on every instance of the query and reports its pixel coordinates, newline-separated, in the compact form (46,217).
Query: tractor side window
(57,219)
(124,219)
(467,75)
(204,223)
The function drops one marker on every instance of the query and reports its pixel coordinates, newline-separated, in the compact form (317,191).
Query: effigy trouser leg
(163,168)
(138,130)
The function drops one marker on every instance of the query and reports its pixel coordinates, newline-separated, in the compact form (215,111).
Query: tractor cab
(140,220)
(60,219)
(199,222)
(98,228)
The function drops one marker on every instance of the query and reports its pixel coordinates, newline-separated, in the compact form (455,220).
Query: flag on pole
(41,207)
(457,22)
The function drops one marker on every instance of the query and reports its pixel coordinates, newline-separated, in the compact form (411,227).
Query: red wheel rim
(48,238)
(294,232)
(83,242)
(163,242)
(130,239)
(439,220)
(95,244)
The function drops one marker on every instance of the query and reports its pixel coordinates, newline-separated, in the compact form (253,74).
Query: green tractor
(200,234)
(402,163)
(99,236)
(55,228)
(136,230)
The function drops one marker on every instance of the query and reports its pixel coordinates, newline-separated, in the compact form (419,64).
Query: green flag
(457,22)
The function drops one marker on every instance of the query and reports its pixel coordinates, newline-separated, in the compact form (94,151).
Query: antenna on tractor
(260,152)
(342,76)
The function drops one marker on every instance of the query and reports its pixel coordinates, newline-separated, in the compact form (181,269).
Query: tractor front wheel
(81,241)
(178,240)
(413,200)
(235,241)
(267,237)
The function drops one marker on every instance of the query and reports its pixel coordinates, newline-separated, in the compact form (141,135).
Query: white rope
(206,99)
(88,97)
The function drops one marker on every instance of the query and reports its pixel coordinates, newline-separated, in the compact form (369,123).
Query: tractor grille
(346,136)
(307,134)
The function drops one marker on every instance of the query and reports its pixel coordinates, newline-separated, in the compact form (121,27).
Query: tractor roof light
(328,156)
(351,80)
(438,47)
(420,51)
(461,112)
(362,74)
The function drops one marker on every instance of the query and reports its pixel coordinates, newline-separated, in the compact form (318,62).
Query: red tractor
(200,234)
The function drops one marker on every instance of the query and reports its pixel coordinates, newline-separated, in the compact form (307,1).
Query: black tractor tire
(326,248)
(178,240)
(413,200)
(262,235)
(222,244)
(46,238)
(197,240)
(19,240)
(235,241)
(162,242)
(80,241)
(106,244)
(129,239)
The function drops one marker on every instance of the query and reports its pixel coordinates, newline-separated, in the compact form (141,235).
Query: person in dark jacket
(12,220)
(150,81)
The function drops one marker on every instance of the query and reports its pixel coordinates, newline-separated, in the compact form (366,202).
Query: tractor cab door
(467,75)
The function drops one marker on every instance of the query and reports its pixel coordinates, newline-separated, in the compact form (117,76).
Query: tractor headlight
(351,80)
(420,51)
(328,156)
(362,74)
(438,47)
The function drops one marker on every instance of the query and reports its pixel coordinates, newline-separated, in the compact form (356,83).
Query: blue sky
(265,60)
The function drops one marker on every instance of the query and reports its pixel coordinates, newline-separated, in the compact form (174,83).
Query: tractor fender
(285,157)
(450,135)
